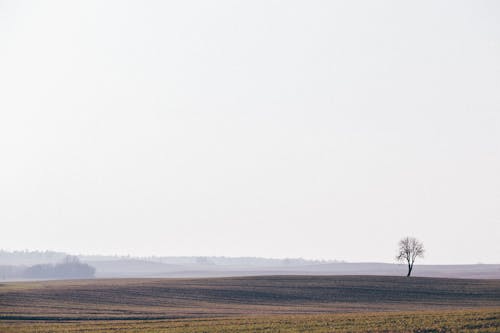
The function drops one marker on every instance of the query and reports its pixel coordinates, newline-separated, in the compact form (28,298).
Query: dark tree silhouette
(70,268)
(409,249)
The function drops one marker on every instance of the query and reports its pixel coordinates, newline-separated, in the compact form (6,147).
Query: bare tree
(409,249)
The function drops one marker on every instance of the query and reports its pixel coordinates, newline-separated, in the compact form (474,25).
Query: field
(252,304)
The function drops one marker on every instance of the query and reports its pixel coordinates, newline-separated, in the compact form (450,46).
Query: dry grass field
(485,320)
(252,304)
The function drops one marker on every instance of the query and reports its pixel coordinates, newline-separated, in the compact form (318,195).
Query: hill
(215,297)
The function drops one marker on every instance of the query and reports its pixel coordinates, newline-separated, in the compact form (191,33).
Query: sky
(314,129)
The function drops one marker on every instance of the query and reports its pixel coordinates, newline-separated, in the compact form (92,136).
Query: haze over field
(25,265)
(315,129)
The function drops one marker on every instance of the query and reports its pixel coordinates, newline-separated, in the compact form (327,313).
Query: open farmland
(267,304)
(486,320)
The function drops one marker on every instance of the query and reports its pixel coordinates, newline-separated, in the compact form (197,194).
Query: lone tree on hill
(409,249)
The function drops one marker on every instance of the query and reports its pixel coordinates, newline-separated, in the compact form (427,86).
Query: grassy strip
(481,320)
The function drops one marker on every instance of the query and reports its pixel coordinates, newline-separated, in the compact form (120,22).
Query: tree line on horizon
(69,268)
(409,249)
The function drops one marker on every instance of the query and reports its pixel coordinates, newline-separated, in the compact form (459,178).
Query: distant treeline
(70,268)
(29,258)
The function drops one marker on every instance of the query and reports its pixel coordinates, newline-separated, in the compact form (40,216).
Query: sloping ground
(134,268)
(190,298)
(477,271)
(149,268)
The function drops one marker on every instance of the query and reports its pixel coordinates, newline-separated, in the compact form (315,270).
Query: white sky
(314,129)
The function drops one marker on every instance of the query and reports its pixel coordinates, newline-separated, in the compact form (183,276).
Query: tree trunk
(410,267)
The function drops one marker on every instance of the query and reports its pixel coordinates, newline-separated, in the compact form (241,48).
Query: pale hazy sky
(314,129)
